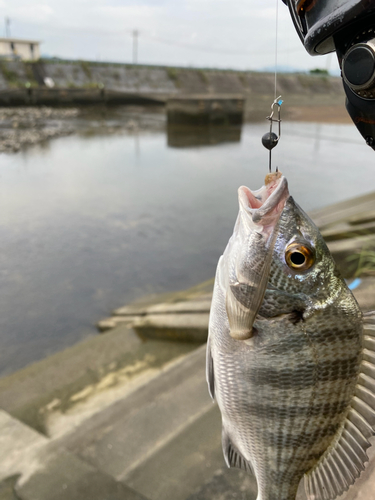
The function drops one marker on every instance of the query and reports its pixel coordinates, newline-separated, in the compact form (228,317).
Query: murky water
(90,223)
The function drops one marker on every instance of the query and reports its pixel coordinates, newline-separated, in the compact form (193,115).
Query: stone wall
(159,79)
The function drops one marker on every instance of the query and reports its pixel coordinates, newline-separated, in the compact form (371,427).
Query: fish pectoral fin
(233,458)
(241,314)
(343,462)
(210,370)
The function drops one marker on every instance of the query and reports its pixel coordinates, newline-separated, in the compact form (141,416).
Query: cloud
(211,33)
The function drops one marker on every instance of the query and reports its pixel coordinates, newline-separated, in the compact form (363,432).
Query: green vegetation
(10,76)
(92,85)
(242,78)
(86,69)
(30,76)
(363,262)
(202,75)
(318,71)
(172,73)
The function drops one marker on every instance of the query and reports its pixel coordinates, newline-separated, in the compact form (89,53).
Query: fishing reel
(355,49)
(347,27)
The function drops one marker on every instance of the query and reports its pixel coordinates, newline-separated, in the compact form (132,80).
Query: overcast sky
(237,34)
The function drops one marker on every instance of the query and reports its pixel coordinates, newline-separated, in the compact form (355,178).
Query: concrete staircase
(162,441)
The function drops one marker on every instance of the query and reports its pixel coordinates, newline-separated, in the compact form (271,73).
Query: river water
(90,223)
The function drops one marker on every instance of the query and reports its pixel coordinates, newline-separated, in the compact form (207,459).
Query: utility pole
(7,27)
(135,46)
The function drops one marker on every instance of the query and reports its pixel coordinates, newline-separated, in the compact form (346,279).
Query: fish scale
(293,395)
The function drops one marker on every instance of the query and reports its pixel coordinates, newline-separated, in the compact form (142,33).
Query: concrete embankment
(105,81)
(127,416)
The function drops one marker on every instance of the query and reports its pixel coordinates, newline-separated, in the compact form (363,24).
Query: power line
(202,48)
(169,42)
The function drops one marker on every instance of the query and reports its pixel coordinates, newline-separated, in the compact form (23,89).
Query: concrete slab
(227,484)
(123,436)
(187,306)
(54,383)
(182,464)
(33,468)
(109,323)
(202,291)
(7,488)
(182,327)
(65,477)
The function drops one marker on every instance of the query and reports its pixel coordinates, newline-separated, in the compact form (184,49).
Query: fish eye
(299,256)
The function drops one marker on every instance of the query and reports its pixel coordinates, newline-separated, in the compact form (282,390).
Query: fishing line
(270,139)
(276,41)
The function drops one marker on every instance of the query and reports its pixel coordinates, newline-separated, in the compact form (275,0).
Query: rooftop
(19,40)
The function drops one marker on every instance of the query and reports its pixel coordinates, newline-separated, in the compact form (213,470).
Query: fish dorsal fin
(210,370)
(343,462)
(233,458)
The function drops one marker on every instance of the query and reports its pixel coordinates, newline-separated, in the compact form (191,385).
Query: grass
(86,69)
(363,262)
(30,75)
(172,73)
(10,76)
(202,75)
(242,78)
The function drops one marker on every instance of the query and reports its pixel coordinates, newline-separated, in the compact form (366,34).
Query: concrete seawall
(162,82)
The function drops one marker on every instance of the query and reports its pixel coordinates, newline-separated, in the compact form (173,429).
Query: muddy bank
(24,126)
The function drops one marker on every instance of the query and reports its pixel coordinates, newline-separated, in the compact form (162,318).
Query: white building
(14,48)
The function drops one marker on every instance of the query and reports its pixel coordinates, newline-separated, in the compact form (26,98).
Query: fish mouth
(266,204)
(260,212)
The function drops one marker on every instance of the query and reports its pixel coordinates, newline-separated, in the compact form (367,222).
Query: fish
(290,356)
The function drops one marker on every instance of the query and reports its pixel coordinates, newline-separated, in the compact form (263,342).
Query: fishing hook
(270,139)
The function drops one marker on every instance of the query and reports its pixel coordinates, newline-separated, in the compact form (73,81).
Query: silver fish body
(296,393)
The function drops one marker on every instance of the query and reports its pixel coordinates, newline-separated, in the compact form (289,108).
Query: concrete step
(183,463)
(58,382)
(184,327)
(126,433)
(33,468)
(197,304)
(227,484)
(165,320)
(164,440)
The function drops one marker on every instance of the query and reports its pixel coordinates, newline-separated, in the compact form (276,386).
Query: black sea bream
(290,357)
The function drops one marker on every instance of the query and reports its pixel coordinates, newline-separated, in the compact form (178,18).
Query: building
(14,48)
